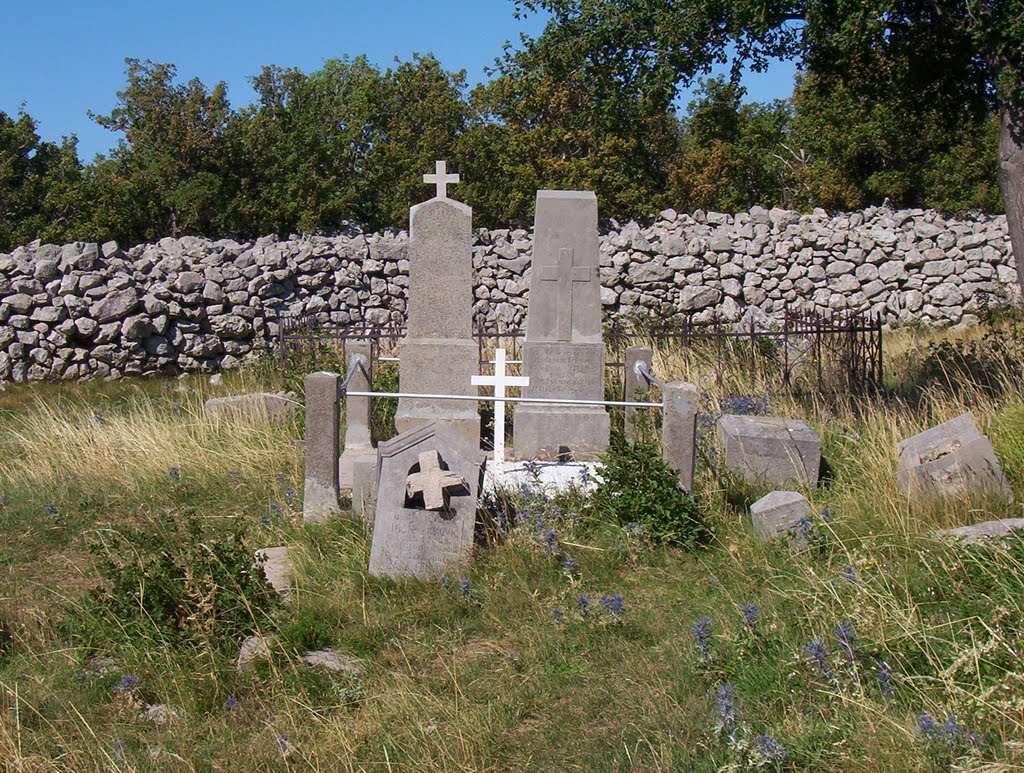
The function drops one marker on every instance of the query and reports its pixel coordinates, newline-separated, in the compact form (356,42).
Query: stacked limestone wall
(83,309)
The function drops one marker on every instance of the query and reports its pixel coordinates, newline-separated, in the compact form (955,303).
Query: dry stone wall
(190,304)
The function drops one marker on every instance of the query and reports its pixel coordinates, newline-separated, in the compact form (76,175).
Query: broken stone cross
(433,483)
(499,381)
(441,179)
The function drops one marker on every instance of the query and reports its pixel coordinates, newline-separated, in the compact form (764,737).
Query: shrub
(640,487)
(181,580)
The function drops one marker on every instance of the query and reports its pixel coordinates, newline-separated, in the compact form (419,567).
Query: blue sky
(63,58)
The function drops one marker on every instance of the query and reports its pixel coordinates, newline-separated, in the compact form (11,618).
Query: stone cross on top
(433,482)
(566,273)
(441,179)
(499,381)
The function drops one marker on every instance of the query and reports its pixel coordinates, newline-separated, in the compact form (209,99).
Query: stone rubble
(194,304)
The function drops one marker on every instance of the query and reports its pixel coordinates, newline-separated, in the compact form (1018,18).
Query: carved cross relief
(432,483)
(566,273)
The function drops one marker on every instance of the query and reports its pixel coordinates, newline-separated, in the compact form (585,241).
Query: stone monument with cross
(439,354)
(429,481)
(563,355)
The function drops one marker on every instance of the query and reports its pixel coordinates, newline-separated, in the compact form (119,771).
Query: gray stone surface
(770,450)
(987,530)
(332,660)
(277,568)
(263,406)
(635,385)
(408,539)
(357,444)
(320,451)
(438,354)
(779,513)
(254,648)
(364,487)
(950,459)
(679,429)
(563,355)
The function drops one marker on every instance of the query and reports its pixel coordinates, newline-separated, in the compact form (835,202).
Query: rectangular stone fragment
(320,499)
(770,450)
(780,513)
(679,429)
(259,406)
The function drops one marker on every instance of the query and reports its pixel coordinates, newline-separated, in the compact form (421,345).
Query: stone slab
(998,529)
(950,460)
(409,540)
(779,513)
(444,367)
(364,488)
(277,568)
(265,406)
(635,386)
(543,477)
(320,450)
(679,429)
(770,450)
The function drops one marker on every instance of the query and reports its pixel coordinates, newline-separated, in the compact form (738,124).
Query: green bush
(639,487)
(181,580)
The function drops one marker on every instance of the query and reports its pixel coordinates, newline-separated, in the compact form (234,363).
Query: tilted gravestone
(563,355)
(949,460)
(428,484)
(770,450)
(439,354)
(778,513)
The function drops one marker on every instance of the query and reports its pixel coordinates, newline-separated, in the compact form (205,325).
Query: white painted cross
(441,179)
(499,381)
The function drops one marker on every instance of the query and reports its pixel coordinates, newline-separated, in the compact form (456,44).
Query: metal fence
(802,352)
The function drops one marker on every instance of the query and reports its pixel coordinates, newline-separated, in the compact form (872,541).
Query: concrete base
(547,477)
(439,366)
(568,432)
(347,461)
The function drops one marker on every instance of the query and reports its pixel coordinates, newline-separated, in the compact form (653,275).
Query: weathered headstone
(358,443)
(428,483)
(563,355)
(636,386)
(770,450)
(679,429)
(949,460)
(438,354)
(263,406)
(779,512)
(320,495)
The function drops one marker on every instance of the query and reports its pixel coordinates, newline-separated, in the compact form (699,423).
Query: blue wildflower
(464,588)
(583,605)
(118,747)
(551,540)
(265,520)
(289,495)
(446,581)
(702,636)
(275,510)
(951,728)
(570,566)
(884,677)
(174,473)
(50,509)
(558,614)
(771,751)
(847,639)
(820,657)
(927,726)
(751,615)
(725,700)
(850,574)
(804,527)
(231,703)
(614,605)
(128,683)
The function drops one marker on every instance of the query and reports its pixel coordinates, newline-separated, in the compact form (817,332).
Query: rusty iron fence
(801,352)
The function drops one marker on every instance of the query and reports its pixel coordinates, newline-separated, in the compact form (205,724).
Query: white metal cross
(441,179)
(499,381)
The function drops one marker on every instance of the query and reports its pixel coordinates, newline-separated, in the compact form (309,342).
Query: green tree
(967,51)
(168,173)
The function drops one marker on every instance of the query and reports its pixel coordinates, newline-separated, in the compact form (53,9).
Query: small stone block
(949,460)
(277,568)
(779,513)
(263,406)
(1004,527)
(770,450)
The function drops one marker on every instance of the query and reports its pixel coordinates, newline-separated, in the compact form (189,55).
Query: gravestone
(635,385)
(261,406)
(320,450)
(500,380)
(563,355)
(679,429)
(439,354)
(428,484)
(779,512)
(358,443)
(949,460)
(770,450)
(277,568)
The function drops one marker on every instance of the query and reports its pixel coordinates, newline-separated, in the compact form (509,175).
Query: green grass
(494,681)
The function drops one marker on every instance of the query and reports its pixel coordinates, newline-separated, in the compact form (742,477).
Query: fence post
(679,429)
(633,381)
(320,494)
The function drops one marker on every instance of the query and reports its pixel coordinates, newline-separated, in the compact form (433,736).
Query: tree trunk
(1011,179)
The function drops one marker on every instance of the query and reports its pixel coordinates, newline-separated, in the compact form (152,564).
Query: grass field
(880,648)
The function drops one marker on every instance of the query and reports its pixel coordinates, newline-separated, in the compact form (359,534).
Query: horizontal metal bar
(493,399)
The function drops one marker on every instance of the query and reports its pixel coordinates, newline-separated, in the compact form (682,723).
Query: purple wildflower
(702,636)
(884,676)
(464,589)
(127,684)
(614,605)
(231,703)
(751,615)
(725,700)
(583,605)
(558,614)
(818,653)
(771,751)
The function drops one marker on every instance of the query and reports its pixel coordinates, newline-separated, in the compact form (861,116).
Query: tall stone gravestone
(438,354)
(428,484)
(564,351)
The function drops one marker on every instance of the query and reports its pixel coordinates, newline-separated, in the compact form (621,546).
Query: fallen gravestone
(778,513)
(999,529)
(277,568)
(770,450)
(428,483)
(266,406)
(949,460)
(332,660)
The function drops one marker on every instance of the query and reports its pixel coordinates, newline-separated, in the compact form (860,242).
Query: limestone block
(679,429)
(770,450)
(320,495)
(998,529)
(779,512)
(949,460)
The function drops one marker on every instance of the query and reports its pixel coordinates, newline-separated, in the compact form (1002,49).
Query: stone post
(636,385)
(358,443)
(679,429)
(320,498)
